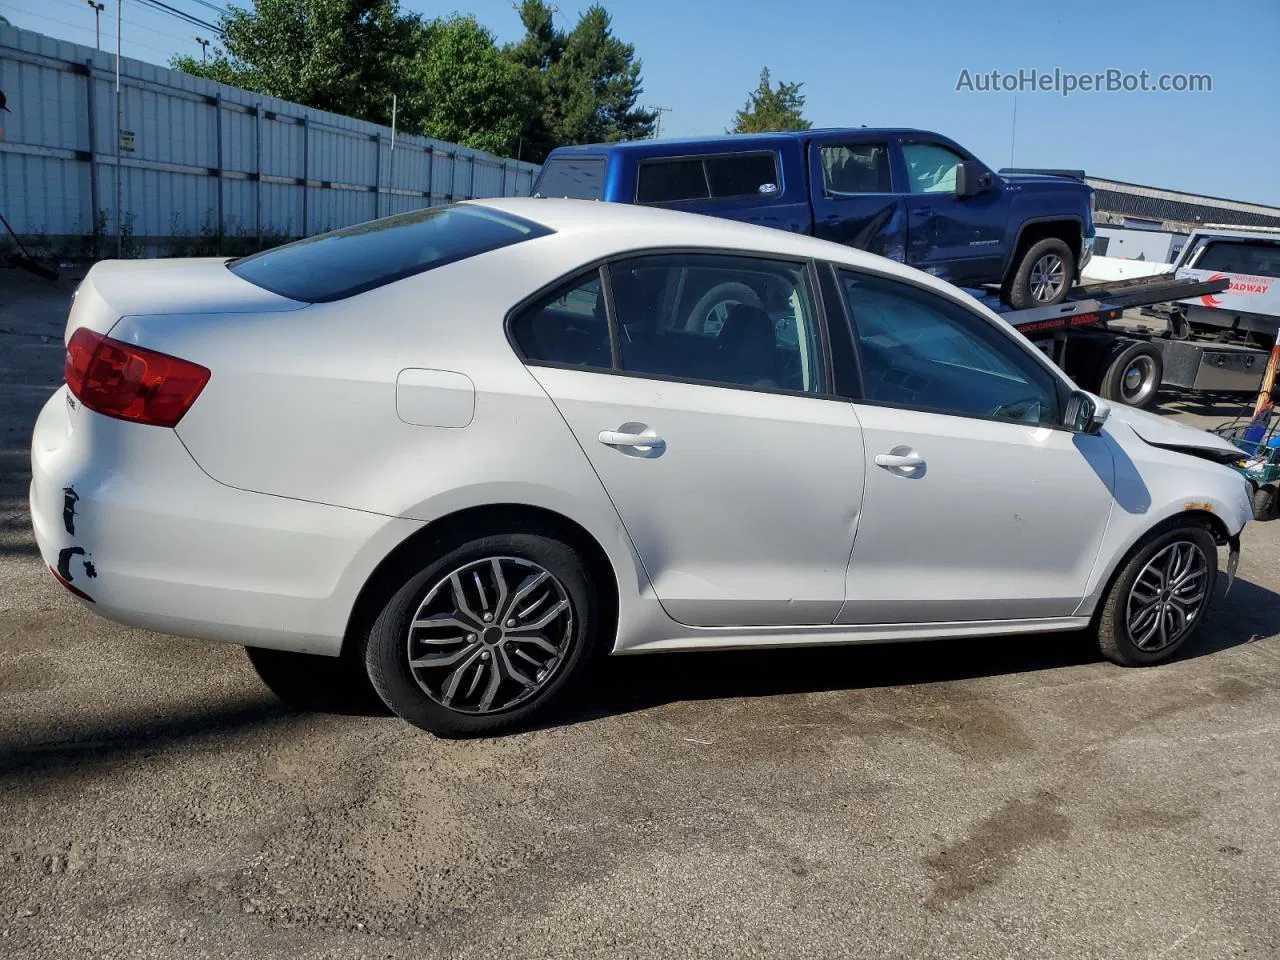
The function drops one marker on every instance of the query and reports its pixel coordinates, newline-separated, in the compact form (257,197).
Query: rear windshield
(1260,259)
(340,264)
(578,178)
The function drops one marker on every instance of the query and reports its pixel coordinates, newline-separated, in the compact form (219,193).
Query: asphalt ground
(993,798)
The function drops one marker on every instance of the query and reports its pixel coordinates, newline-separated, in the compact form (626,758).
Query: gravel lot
(997,798)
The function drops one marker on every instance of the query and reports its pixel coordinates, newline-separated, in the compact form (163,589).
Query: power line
(65,23)
(132,23)
(211,6)
(79,26)
(181,14)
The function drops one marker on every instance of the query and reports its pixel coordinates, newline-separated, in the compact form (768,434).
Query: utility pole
(97,22)
(204,48)
(657,127)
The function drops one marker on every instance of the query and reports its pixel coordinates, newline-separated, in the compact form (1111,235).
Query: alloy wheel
(1168,596)
(1048,277)
(490,634)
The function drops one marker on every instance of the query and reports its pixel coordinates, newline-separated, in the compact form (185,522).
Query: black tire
(387,651)
(1114,639)
(309,682)
(1132,375)
(1019,294)
(1264,503)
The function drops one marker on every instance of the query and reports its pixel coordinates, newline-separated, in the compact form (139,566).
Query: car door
(735,471)
(851,189)
(956,238)
(978,505)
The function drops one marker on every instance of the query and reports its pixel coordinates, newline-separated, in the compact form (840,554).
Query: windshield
(340,264)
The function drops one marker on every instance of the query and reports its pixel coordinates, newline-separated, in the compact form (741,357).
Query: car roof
(671,146)
(618,228)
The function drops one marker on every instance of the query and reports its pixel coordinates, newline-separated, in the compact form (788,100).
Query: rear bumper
(126,518)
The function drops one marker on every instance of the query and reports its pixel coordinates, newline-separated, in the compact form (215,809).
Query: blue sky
(897,64)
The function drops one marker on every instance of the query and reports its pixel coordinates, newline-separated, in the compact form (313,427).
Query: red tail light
(131,383)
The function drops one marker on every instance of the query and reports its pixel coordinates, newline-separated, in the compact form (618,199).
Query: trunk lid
(120,288)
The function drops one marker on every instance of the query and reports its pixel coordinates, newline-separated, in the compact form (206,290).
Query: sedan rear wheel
(1160,597)
(486,637)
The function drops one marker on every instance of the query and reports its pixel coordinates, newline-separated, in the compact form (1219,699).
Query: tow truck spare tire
(1132,374)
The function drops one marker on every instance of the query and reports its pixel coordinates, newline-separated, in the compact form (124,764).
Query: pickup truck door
(852,193)
(957,238)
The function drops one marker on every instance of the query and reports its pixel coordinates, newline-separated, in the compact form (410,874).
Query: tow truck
(1218,310)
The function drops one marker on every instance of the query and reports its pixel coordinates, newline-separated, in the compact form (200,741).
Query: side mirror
(1086,413)
(971,179)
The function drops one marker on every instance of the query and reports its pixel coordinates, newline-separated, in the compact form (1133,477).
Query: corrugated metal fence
(194,157)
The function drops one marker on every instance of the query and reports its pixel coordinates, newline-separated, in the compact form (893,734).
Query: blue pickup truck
(911,195)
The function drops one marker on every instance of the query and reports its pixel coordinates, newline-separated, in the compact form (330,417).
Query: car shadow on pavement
(628,684)
(622,685)
(119,737)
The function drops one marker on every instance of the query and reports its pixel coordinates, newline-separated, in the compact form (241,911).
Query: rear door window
(340,264)
(577,178)
(728,320)
(855,168)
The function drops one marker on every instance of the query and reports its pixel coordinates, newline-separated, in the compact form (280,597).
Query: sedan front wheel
(1160,597)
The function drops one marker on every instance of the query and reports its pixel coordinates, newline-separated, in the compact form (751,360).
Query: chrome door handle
(895,461)
(639,441)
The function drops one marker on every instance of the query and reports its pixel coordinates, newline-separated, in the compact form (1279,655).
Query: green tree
(347,56)
(464,90)
(769,109)
(586,82)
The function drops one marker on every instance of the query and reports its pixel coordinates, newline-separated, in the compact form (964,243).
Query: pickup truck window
(855,168)
(931,168)
(701,178)
(728,320)
(664,181)
(922,351)
(1256,258)
(578,178)
(741,175)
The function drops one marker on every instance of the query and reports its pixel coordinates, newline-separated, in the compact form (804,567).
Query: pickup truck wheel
(1044,275)
(1133,375)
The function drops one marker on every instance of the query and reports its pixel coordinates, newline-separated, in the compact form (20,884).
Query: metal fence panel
(189,157)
